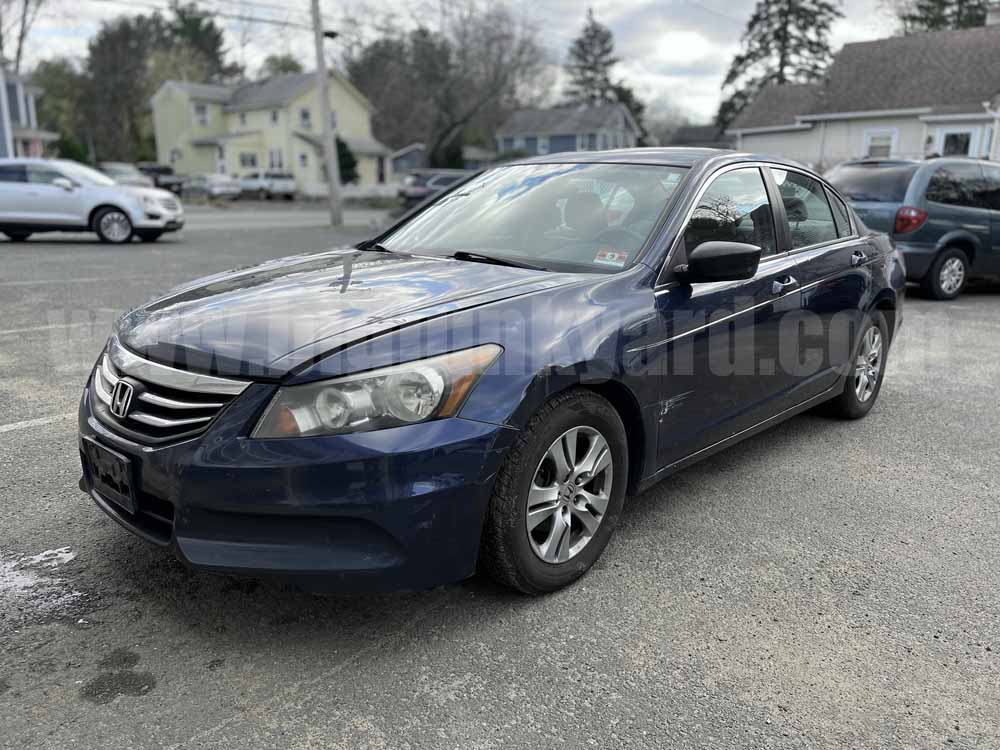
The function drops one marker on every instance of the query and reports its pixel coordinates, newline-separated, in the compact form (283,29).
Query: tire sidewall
(100,233)
(934,276)
(537,574)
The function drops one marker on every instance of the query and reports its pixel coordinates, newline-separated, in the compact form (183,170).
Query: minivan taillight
(909,219)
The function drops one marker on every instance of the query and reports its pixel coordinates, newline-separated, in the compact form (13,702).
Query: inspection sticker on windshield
(611,258)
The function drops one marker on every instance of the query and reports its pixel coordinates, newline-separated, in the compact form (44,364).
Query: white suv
(43,195)
(269,185)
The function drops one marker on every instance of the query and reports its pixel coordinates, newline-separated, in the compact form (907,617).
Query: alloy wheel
(952,276)
(569,495)
(868,365)
(116,226)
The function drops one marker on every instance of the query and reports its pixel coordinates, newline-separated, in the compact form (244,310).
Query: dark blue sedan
(487,381)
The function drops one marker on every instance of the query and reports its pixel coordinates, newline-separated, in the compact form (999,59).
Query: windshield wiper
(495,260)
(373,245)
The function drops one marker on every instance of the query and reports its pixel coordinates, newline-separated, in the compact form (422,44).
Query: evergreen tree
(785,41)
(938,15)
(347,163)
(591,57)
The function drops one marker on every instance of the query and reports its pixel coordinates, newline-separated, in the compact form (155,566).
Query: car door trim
(769,301)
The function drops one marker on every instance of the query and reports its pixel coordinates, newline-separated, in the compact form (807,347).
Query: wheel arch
(962,240)
(92,217)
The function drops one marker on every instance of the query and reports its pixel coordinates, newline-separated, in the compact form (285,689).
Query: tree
(16,19)
(435,84)
(939,15)
(785,41)
(276,65)
(347,163)
(195,29)
(591,57)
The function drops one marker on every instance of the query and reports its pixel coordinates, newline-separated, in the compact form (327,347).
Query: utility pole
(329,137)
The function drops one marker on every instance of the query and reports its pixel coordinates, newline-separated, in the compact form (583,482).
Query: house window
(275,159)
(957,141)
(880,144)
(274,117)
(303,160)
(305,119)
(248,160)
(243,119)
(175,155)
(543,144)
(201,113)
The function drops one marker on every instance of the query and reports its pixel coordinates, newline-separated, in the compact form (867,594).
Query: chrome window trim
(169,377)
(658,287)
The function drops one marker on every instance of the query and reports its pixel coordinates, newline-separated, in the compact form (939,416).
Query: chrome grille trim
(168,377)
(169,403)
(152,421)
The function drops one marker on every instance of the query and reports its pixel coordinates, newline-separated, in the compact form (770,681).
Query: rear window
(873,183)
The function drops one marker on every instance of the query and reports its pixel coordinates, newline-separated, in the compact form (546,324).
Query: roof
(663,156)
(270,92)
(957,69)
(208,92)
(568,120)
(700,135)
(357,144)
(781,104)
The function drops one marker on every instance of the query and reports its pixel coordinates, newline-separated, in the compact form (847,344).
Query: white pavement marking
(40,422)
(78,280)
(33,329)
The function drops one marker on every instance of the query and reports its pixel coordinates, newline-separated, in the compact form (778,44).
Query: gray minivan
(943,215)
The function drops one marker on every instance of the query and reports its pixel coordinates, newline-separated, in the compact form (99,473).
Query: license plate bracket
(110,474)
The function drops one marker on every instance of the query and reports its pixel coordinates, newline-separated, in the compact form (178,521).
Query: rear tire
(113,226)
(948,274)
(864,381)
(17,236)
(574,519)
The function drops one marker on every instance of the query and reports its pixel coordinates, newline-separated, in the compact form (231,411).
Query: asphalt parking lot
(825,584)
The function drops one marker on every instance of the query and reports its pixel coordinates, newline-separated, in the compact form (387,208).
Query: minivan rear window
(873,183)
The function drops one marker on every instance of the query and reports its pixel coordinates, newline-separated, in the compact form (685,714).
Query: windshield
(589,217)
(873,183)
(86,175)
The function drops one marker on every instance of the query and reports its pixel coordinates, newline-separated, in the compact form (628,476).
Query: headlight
(150,202)
(402,394)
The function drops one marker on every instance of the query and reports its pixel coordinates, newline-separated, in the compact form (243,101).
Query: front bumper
(165,221)
(394,509)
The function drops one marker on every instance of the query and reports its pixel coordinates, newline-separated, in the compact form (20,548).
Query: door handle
(783,284)
(857,258)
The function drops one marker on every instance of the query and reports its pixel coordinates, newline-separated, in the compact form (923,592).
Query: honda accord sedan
(484,384)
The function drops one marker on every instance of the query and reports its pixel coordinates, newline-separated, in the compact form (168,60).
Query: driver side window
(735,208)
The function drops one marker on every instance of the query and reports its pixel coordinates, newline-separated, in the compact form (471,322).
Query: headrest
(795,208)
(584,212)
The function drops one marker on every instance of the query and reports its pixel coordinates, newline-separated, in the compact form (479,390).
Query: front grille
(170,204)
(166,405)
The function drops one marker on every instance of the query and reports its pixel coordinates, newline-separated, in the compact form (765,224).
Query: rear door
(955,201)
(834,270)
(718,349)
(14,203)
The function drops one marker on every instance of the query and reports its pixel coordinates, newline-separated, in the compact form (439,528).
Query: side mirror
(64,183)
(720,261)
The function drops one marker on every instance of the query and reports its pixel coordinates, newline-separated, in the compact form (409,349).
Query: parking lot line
(33,329)
(40,422)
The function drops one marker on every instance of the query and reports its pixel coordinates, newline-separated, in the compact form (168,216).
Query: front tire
(864,381)
(948,274)
(113,226)
(558,495)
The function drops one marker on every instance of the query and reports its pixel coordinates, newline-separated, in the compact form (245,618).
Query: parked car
(212,186)
(39,195)
(943,214)
(484,382)
(163,176)
(269,185)
(420,185)
(125,174)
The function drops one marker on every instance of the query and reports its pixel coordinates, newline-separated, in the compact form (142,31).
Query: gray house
(902,97)
(576,128)
(19,131)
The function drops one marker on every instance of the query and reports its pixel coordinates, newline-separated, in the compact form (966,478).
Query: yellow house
(273,124)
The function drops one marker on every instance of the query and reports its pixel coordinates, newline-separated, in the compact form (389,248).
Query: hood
(264,321)
(148,192)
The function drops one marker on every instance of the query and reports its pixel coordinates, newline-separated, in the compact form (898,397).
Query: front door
(719,357)
(54,204)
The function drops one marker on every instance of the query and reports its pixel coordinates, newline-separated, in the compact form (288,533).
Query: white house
(907,97)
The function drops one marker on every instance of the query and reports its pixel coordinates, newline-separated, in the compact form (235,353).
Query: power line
(211,12)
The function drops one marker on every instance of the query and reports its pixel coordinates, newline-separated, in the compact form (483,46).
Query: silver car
(43,195)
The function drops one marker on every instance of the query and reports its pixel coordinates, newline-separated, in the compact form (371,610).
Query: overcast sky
(674,52)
